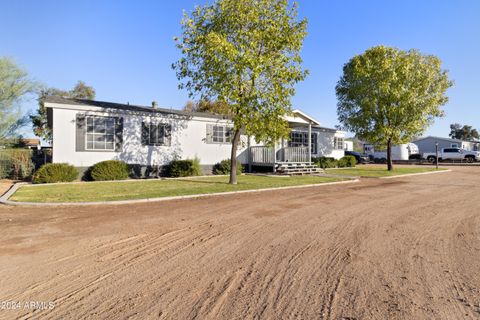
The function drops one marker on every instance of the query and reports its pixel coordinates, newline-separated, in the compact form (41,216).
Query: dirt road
(404,248)
(5,185)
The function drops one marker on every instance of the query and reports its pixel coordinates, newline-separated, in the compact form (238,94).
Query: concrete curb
(414,174)
(15,187)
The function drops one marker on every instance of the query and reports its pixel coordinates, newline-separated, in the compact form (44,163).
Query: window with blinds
(100,133)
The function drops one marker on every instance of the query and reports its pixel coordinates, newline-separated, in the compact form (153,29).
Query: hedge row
(119,170)
(327,162)
(64,172)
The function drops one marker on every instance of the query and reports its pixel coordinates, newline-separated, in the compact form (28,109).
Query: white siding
(64,142)
(428,144)
(325,142)
(348,145)
(188,141)
(326,146)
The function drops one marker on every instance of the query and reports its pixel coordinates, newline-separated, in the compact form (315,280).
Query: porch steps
(297,168)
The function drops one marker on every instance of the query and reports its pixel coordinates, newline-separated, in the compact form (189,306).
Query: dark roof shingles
(130,107)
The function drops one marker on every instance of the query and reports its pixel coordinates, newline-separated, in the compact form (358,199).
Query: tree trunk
(389,155)
(233,157)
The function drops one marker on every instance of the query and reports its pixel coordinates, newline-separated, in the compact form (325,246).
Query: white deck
(268,156)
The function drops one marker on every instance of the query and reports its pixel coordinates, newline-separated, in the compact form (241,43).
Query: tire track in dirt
(127,254)
(376,250)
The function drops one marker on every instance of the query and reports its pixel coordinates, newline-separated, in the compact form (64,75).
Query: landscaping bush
(184,168)
(325,162)
(223,167)
(55,172)
(109,170)
(16,164)
(347,162)
(380,160)
(5,167)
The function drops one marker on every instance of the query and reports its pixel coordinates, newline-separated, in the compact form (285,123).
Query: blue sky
(125,48)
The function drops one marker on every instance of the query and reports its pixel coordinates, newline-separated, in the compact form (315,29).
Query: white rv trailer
(404,151)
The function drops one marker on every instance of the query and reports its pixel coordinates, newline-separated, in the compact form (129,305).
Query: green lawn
(108,191)
(380,171)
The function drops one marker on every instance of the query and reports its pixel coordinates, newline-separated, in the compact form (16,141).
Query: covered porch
(285,155)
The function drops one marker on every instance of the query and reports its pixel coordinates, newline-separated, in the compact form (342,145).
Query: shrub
(55,172)
(5,167)
(109,170)
(347,161)
(325,162)
(380,160)
(184,168)
(16,164)
(223,167)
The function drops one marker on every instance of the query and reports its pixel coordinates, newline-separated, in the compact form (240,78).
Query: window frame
(226,134)
(157,125)
(452,150)
(303,141)
(336,143)
(87,133)
(218,134)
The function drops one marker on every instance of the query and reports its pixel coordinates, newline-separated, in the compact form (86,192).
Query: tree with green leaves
(246,55)
(39,120)
(465,132)
(15,85)
(216,107)
(388,96)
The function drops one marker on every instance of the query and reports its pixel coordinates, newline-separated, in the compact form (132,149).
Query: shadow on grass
(202,181)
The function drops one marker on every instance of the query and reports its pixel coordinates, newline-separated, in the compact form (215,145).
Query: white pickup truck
(453,154)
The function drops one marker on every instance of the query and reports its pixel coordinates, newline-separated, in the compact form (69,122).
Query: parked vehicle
(358,156)
(453,154)
(406,151)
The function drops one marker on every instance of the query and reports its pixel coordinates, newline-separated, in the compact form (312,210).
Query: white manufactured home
(428,144)
(86,132)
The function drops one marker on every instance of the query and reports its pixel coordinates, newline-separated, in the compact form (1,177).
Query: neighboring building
(427,144)
(86,132)
(31,143)
(27,143)
(348,145)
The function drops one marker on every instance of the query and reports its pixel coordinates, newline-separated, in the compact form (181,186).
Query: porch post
(309,142)
(274,156)
(249,155)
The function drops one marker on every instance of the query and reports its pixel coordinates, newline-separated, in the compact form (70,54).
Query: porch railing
(266,155)
(294,154)
(262,155)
